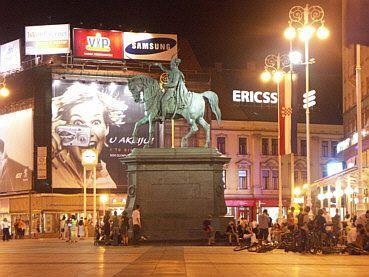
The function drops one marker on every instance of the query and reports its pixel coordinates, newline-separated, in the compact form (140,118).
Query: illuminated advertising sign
(98,44)
(16,155)
(47,39)
(10,56)
(255,97)
(98,115)
(146,46)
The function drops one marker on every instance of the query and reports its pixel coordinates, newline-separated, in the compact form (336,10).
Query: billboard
(146,46)
(93,114)
(47,39)
(98,44)
(10,56)
(16,155)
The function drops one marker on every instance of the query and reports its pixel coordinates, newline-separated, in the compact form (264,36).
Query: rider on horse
(174,88)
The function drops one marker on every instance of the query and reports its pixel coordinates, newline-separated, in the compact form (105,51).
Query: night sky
(230,32)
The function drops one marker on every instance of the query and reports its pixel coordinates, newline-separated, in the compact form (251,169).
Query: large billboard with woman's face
(96,114)
(16,151)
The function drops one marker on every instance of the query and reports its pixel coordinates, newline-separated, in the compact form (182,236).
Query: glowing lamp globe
(349,190)
(266,76)
(329,195)
(295,57)
(103,198)
(277,76)
(4,92)
(306,33)
(297,191)
(322,32)
(290,33)
(321,196)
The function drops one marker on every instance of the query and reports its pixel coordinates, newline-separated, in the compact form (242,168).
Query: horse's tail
(213,100)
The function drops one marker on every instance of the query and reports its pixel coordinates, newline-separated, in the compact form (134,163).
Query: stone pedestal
(176,188)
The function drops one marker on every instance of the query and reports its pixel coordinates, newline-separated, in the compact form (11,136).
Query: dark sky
(231,32)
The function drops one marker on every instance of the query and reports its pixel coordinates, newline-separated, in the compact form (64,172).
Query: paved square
(52,257)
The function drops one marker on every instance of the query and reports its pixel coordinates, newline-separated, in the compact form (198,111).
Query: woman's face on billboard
(91,114)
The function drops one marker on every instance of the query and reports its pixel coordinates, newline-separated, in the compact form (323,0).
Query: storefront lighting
(297,191)
(104,198)
(112,86)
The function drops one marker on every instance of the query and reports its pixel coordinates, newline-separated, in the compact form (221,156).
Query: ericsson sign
(255,97)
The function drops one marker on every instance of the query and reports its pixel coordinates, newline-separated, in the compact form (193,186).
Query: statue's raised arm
(162,67)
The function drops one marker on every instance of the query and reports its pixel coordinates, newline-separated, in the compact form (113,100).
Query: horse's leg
(206,127)
(151,131)
(194,129)
(142,121)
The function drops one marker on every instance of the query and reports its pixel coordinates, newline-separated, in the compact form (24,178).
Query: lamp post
(304,21)
(276,66)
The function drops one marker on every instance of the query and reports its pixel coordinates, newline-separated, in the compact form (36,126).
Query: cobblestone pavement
(52,257)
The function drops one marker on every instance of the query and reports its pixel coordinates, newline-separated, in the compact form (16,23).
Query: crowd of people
(17,230)
(71,229)
(328,230)
(114,229)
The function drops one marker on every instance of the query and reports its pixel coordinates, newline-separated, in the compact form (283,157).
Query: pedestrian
(291,219)
(136,221)
(73,229)
(337,226)
(35,227)
(85,226)
(61,228)
(81,229)
(124,226)
(16,229)
(67,229)
(107,228)
(209,230)
(231,232)
(115,229)
(22,227)
(5,226)
(263,226)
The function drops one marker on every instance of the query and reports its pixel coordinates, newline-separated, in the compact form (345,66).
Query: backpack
(300,220)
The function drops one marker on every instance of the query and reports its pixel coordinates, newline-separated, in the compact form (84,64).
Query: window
(242,146)
(265,179)
(296,177)
(303,147)
(265,146)
(275,147)
(242,179)
(324,148)
(303,177)
(334,148)
(324,171)
(221,144)
(275,179)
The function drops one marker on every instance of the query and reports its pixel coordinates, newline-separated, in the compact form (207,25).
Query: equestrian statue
(172,100)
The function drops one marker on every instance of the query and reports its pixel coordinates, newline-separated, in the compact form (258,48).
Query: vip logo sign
(98,44)
(146,46)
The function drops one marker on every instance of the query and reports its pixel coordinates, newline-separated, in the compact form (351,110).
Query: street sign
(309,99)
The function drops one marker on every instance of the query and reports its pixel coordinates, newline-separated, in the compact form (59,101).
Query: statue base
(176,188)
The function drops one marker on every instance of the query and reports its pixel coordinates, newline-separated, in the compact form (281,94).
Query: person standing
(16,229)
(115,227)
(5,226)
(85,226)
(81,229)
(291,219)
(263,226)
(136,221)
(61,228)
(73,229)
(107,228)
(124,227)
(209,230)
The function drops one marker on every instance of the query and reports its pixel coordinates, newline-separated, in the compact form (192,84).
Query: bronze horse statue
(193,112)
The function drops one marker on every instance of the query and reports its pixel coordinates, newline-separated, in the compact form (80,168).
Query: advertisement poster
(47,39)
(93,114)
(146,46)
(10,56)
(98,44)
(16,155)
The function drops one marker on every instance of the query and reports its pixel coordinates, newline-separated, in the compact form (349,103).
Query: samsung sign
(255,97)
(146,46)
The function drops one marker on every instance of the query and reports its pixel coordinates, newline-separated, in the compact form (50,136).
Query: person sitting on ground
(231,232)
(358,237)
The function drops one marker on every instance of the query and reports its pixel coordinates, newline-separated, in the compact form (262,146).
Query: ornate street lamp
(276,66)
(304,23)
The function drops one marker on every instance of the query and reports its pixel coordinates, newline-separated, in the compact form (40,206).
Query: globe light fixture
(329,195)
(305,186)
(297,191)
(337,193)
(295,57)
(278,76)
(104,198)
(290,33)
(322,32)
(306,33)
(321,196)
(266,76)
(4,91)
(349,190)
